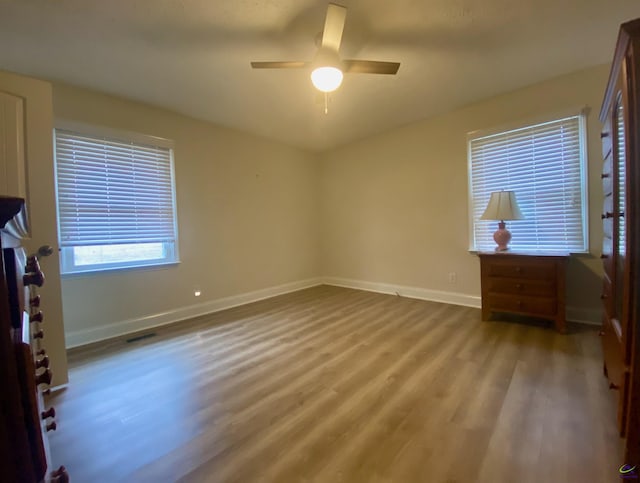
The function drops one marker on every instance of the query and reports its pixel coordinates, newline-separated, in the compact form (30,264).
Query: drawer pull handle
(601,333)
(52,426)
(603,296)
(35,301)
(621,214)
(518,269)
(604,175)
(39,334)
(613,386)
(604,134)
(604,255)
(518,286)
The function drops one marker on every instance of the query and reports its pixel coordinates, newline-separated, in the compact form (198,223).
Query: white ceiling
(192,56)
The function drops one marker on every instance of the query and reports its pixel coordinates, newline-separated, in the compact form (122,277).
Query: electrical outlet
(196,291)
(453,277)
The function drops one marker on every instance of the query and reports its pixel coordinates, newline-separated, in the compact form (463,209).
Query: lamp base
(502,237)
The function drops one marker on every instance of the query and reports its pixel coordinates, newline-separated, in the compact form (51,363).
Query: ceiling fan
(327,66)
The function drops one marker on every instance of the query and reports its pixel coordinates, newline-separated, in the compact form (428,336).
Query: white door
(12,165)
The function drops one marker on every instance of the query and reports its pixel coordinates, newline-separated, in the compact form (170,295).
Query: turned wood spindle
(37,317)
(33,278)
(60,475)
(44,362)
(44,378)
(49,413)
(32,264)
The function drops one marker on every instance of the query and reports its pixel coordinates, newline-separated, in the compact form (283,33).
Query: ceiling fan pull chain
(326,102)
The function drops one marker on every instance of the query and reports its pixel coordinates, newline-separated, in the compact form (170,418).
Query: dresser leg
(561,325)
(486,313)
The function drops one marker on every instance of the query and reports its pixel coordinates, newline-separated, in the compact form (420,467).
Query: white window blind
(544,164)
(621,180)
(115,193)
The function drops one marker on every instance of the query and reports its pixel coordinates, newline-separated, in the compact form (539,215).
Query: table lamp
(502,206)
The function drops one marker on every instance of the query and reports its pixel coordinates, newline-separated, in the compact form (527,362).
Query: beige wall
(247,217)
(257,217)
(38,121)
(394,207)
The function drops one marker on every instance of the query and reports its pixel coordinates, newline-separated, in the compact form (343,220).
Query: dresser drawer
(521,268)
(606,138)
(607,256)
(613,351)
(607,296)
(607,216)
(526,284)
(607,176)
(531,287)
(543,306)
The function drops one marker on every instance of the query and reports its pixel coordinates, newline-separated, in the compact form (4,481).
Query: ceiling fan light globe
(326,79)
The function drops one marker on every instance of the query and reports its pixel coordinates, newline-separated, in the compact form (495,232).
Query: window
(545,165)
(116,200)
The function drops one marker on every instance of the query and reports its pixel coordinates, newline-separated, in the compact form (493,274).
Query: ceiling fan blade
(279,65)
(370,67)
(333,26)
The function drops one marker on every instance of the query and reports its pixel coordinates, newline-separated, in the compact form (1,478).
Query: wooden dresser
(24,366)
(525,284)
(620,116)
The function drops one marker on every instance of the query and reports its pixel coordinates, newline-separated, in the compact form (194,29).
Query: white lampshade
(327,78)
(326,75)
(502,206)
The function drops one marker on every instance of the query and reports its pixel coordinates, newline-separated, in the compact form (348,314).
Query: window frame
(68,267)
(582,115)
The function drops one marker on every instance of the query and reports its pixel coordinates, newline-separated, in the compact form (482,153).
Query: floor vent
(141,337)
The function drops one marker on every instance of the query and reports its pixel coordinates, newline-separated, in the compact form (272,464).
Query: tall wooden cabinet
(620,115)
(24,365)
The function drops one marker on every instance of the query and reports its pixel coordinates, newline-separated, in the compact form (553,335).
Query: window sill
(113,270)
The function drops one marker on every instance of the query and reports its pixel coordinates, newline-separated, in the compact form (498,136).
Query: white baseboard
(574,314)
(405,291)
(95,334)
(584,316)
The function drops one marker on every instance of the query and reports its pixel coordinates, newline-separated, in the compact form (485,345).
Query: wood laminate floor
(336,385)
